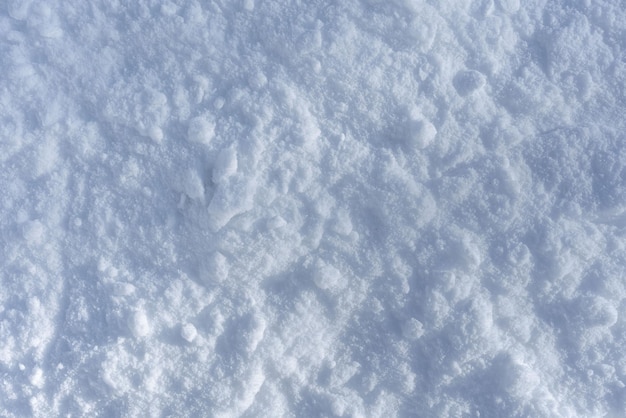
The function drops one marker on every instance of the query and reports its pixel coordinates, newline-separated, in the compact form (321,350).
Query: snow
(188,332)
(138,324)
(201,130)
(327,277)
(225,165)
(420,132)
(364,208)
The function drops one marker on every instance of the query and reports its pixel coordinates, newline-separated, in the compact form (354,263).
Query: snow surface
(268,208)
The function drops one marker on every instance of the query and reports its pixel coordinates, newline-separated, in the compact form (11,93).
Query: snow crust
(265,208)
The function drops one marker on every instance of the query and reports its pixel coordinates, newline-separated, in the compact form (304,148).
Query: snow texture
(267,208)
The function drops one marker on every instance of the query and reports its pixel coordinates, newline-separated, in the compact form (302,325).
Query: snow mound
(201,130)
(138,324)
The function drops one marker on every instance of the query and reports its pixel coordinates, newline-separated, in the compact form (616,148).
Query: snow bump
(215,268)
(412,329)
(201,130)
(139,324)
(230,200)
(193,185)
(188,332)
(327,277)
(467,82)
(420,132)
(225,165)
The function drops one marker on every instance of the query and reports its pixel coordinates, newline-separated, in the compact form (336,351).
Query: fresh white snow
(273,208)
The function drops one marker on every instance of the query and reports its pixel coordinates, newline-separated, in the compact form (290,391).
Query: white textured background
(272,208)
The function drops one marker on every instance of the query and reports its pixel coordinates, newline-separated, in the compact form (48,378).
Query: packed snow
(273,208)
